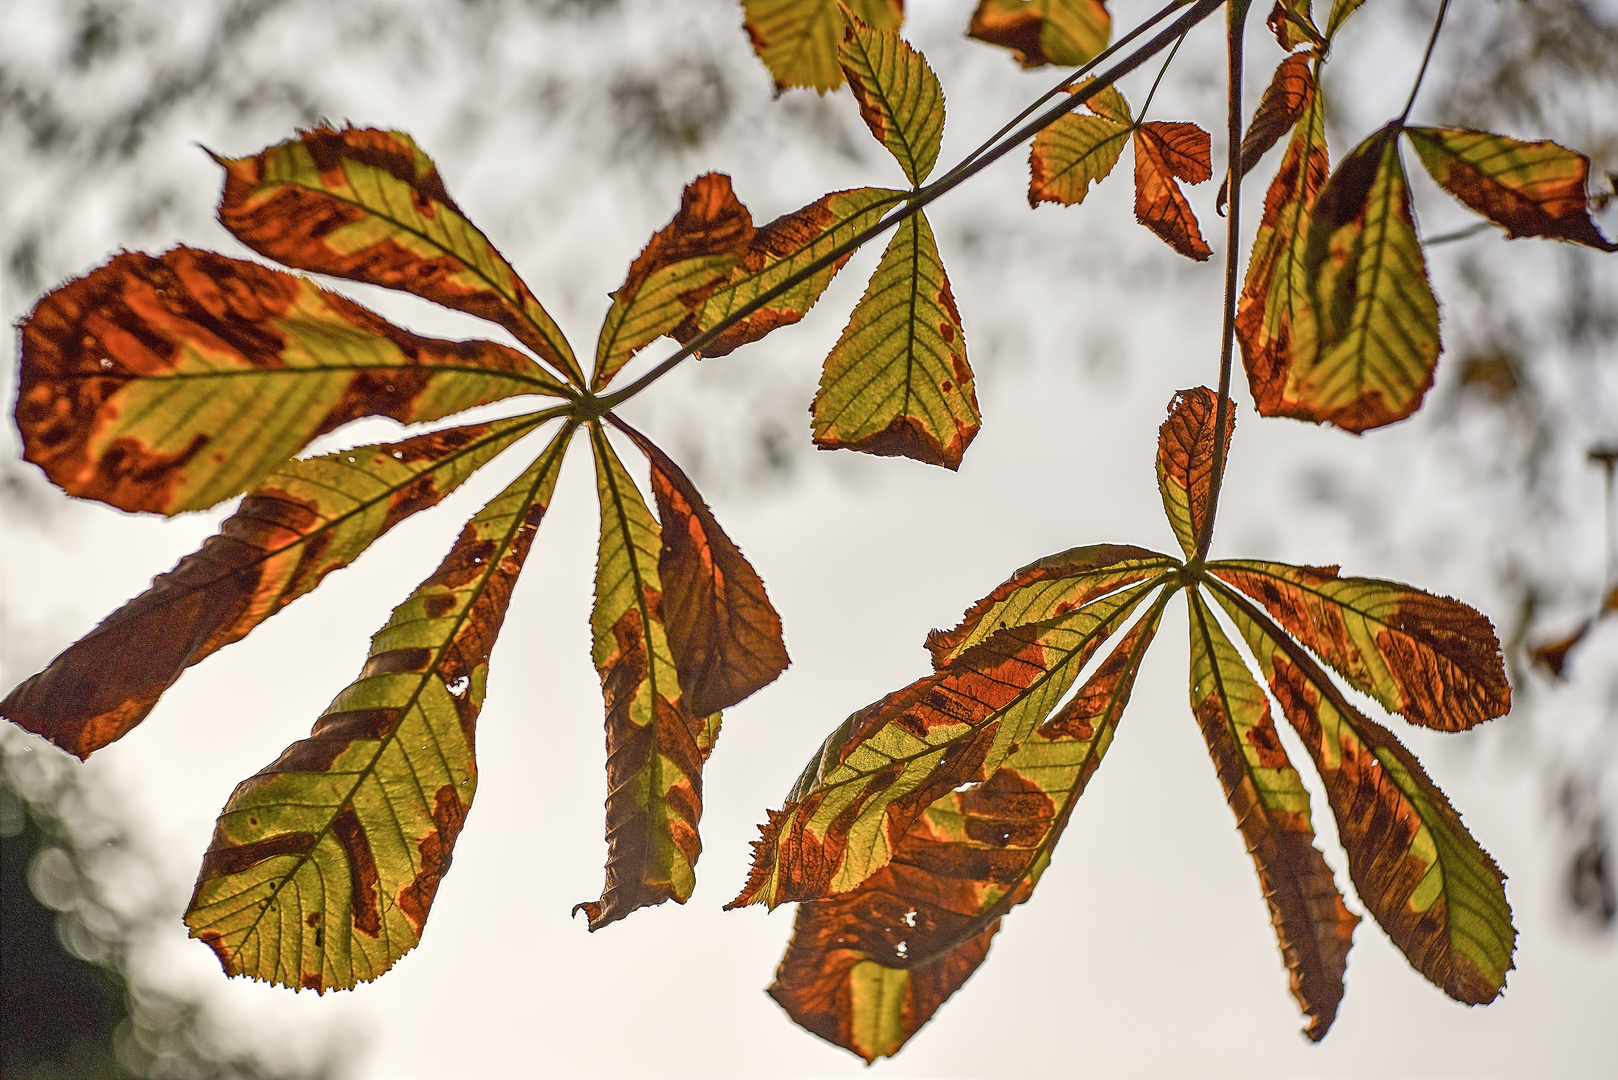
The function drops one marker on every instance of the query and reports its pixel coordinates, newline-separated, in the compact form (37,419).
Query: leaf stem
(921,197)
(1426,59)
(1162,71)
(1235,26)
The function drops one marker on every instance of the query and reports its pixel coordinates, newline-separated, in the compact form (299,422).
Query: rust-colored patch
(216,941)
(438,606)
(1164,151)
(312,981)
(397,661)
(224,858)
(1186,460)
(437,848)
(1017,31)
(1288,97)
(362,878)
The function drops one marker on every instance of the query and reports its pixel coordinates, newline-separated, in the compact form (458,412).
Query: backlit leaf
(1293,24)
(1438,895)
(897,383)
(887,763)
(171,383)
(370,206)
(1073,153)
(1064,32)
(722,630)
(1288,97)
(306,519)
(1186,461)
(1313,926)
(655,746)
(1340,11)
(1274,319)
(323,866)
(1528,188)
(798,39)
(1431,659)
(1052,586)
(1375,313)
(868,969)
(898,94)
(710,261)
(1164,152)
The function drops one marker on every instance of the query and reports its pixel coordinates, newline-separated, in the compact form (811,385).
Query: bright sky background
(1147,949)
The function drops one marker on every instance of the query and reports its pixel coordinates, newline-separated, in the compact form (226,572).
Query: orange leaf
(307,519)
(724,633)
(1185,461)
(1164,151)
(1289,95)
(1039,32)
(370,206)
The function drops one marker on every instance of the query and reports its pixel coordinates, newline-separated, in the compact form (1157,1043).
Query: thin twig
(1438,24)
(925,195)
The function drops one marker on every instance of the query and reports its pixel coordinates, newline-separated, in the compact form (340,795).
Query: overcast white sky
(1147,950)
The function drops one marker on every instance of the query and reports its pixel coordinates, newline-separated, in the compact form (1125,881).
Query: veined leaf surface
(655,746)
(323,866)
(1433,660)
(306,519)
(1312,924)
(1073,153)
(1438,895)
(867,970)
(1165,152)
(1038,32)
(798,39)
(897,383)
(1375,313)
(1528,188)
(1186,461)
(370,206)
(1288,97)
(723,632)
(1275,322)
(1045,589)
(898,94)
(172,383)
(875,774)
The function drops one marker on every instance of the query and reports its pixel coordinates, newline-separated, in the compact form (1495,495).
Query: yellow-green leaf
(1374,311)
(1528,188)
(1312,924)
(898,94)
(1073,153)
(887,763)
(798,39)
(171,383)
(370,206)
(323,866)
(867,969)
(897,383)
(655,747)
(1340,11)
(306,519)
(1063,32)
(1422,876)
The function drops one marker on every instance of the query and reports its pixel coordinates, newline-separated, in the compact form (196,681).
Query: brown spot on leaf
(439,605)
(397,661)
(362,878)
(312,981)
(225,858)
(436,849)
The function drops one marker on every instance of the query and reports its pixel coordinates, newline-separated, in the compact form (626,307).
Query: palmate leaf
(323,866)
(1165,152)
(1527,188)
(306,519)
(1039,32)
(370,206)
(1375,316)
(798,39)
(848,813)
(1438,895)
(897,382)
(1274,317)
(723,632)
(1433,660)
(655,745)
(171,383)
(1312,924)
(1186,461)
(898,94)
(867,969)
(710,261)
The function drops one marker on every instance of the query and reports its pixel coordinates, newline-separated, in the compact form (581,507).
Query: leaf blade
(368,205)
(798,39)
(1040,32)
(1163,152)
(375,798)
(899,97)
(1290,94)
(307,519)
(1072,154)
(1313,925)
(897,383)
(1186,460)
(1433,660)
(171,383)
